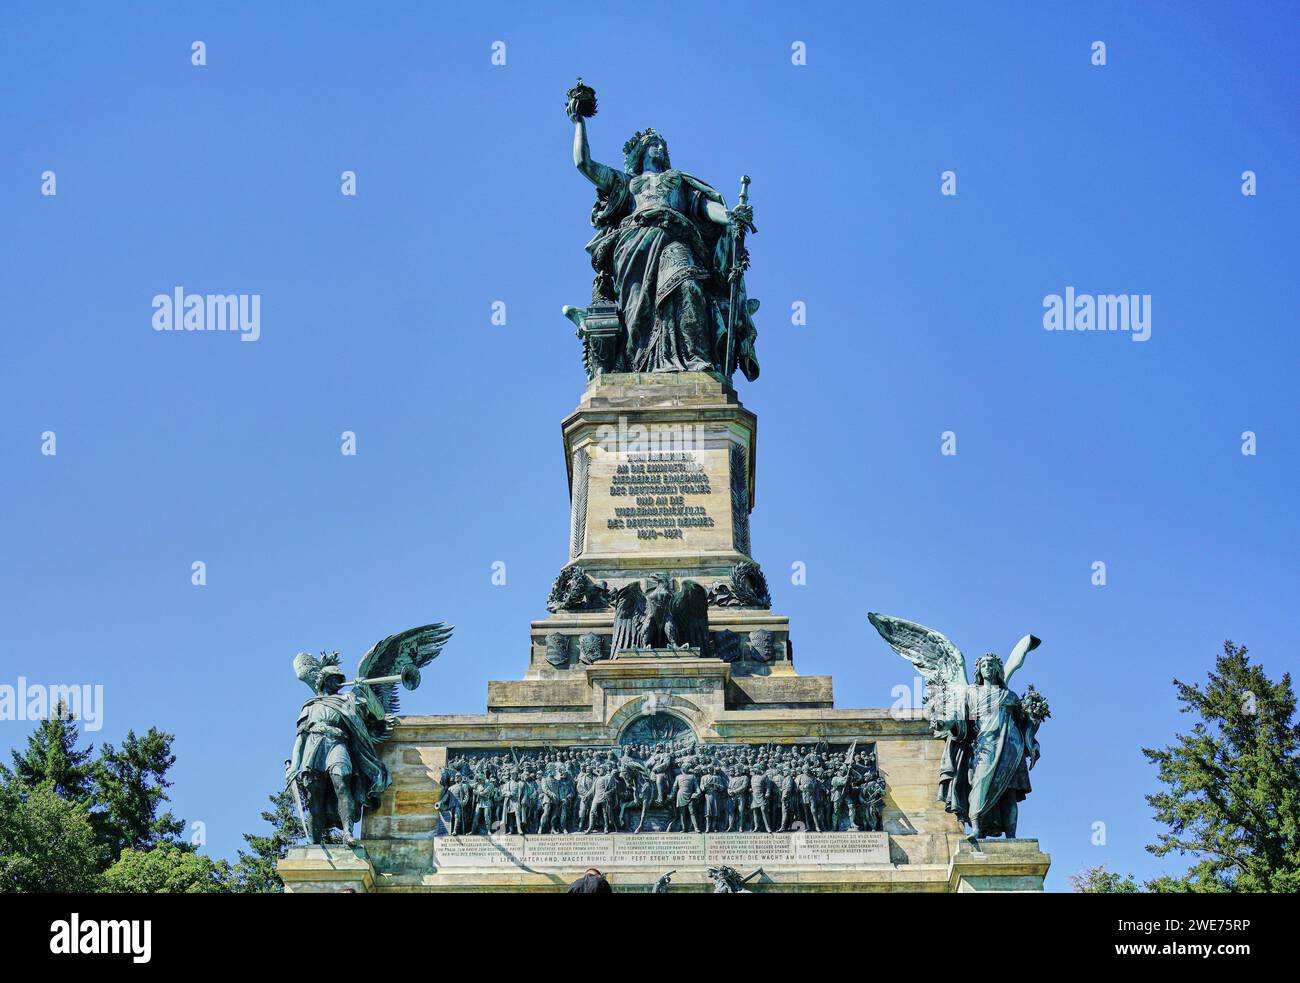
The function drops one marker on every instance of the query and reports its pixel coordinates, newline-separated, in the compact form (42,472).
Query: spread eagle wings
(629,612)
(403,654)
(689,617)
(937,659)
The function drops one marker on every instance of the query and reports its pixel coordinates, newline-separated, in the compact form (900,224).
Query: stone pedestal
(661,472)
(998,865)
(661,477)
(326,870)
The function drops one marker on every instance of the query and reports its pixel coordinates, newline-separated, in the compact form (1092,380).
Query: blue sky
(924,315)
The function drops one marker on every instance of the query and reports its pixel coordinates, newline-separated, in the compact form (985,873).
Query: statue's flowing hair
(634,150)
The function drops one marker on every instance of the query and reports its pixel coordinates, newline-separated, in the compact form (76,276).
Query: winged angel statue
(335,769)
(991,734)
(662,615)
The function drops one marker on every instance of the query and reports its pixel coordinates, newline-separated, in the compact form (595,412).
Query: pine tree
(129,786)
(1099,880)
(53,758)
(1233,798)
(255,869)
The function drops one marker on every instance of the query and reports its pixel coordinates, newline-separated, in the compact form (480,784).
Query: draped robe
(668,261)
(984,769)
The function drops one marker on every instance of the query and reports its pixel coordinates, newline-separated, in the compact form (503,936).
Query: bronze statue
(669,258)
(334,769)
(990,733)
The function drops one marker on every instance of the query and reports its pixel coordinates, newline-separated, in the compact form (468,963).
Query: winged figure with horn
(335,769)
(990,732)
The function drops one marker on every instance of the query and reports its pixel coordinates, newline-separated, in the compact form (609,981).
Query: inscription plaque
(569,851)
(841,848)
(658,501)
(573,852)
(658,850)
(746,850)
(478,851)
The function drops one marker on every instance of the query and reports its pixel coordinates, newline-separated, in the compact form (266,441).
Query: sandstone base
(327,870)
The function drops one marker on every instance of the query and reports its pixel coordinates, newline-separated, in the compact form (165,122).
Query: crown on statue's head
(634,149)
(637,138)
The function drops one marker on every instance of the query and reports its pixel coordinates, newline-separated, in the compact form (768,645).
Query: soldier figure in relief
(686,789)
(789,798)
(511,807)
(842,796)
(549,791)
(485,800)
(807,786)
(760,793)
(737,794)
(713,788)
(603,799)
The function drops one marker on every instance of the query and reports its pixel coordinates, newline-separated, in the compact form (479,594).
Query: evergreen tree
(52,758)
(129,786)
(1099,880)
(255,869)
(1233,798)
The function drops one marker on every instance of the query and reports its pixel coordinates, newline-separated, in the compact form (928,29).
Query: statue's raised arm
(580,106)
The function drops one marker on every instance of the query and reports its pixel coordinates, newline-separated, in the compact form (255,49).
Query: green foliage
(1099,880)
(167,869)
(70,824)
(1233,798)
(129,786)
(52,758)
(47,844)
(255,869)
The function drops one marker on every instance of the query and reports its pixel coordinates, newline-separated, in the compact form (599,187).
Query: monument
(660,731)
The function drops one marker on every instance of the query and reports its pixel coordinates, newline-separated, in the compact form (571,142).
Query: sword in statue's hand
(739,260)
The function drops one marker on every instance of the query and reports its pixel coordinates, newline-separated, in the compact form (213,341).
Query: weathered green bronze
(669,292)
(676,783)
(991,733)
(334,769)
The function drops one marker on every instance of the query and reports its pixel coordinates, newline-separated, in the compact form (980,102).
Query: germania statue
(334,769)
(990,733)
(669,292)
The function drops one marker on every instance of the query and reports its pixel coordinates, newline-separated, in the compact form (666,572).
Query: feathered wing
(404,654)
(689,614)
(938,660)
(1017,657)
(629,614)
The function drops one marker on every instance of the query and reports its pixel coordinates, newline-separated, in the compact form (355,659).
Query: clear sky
(924,315)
